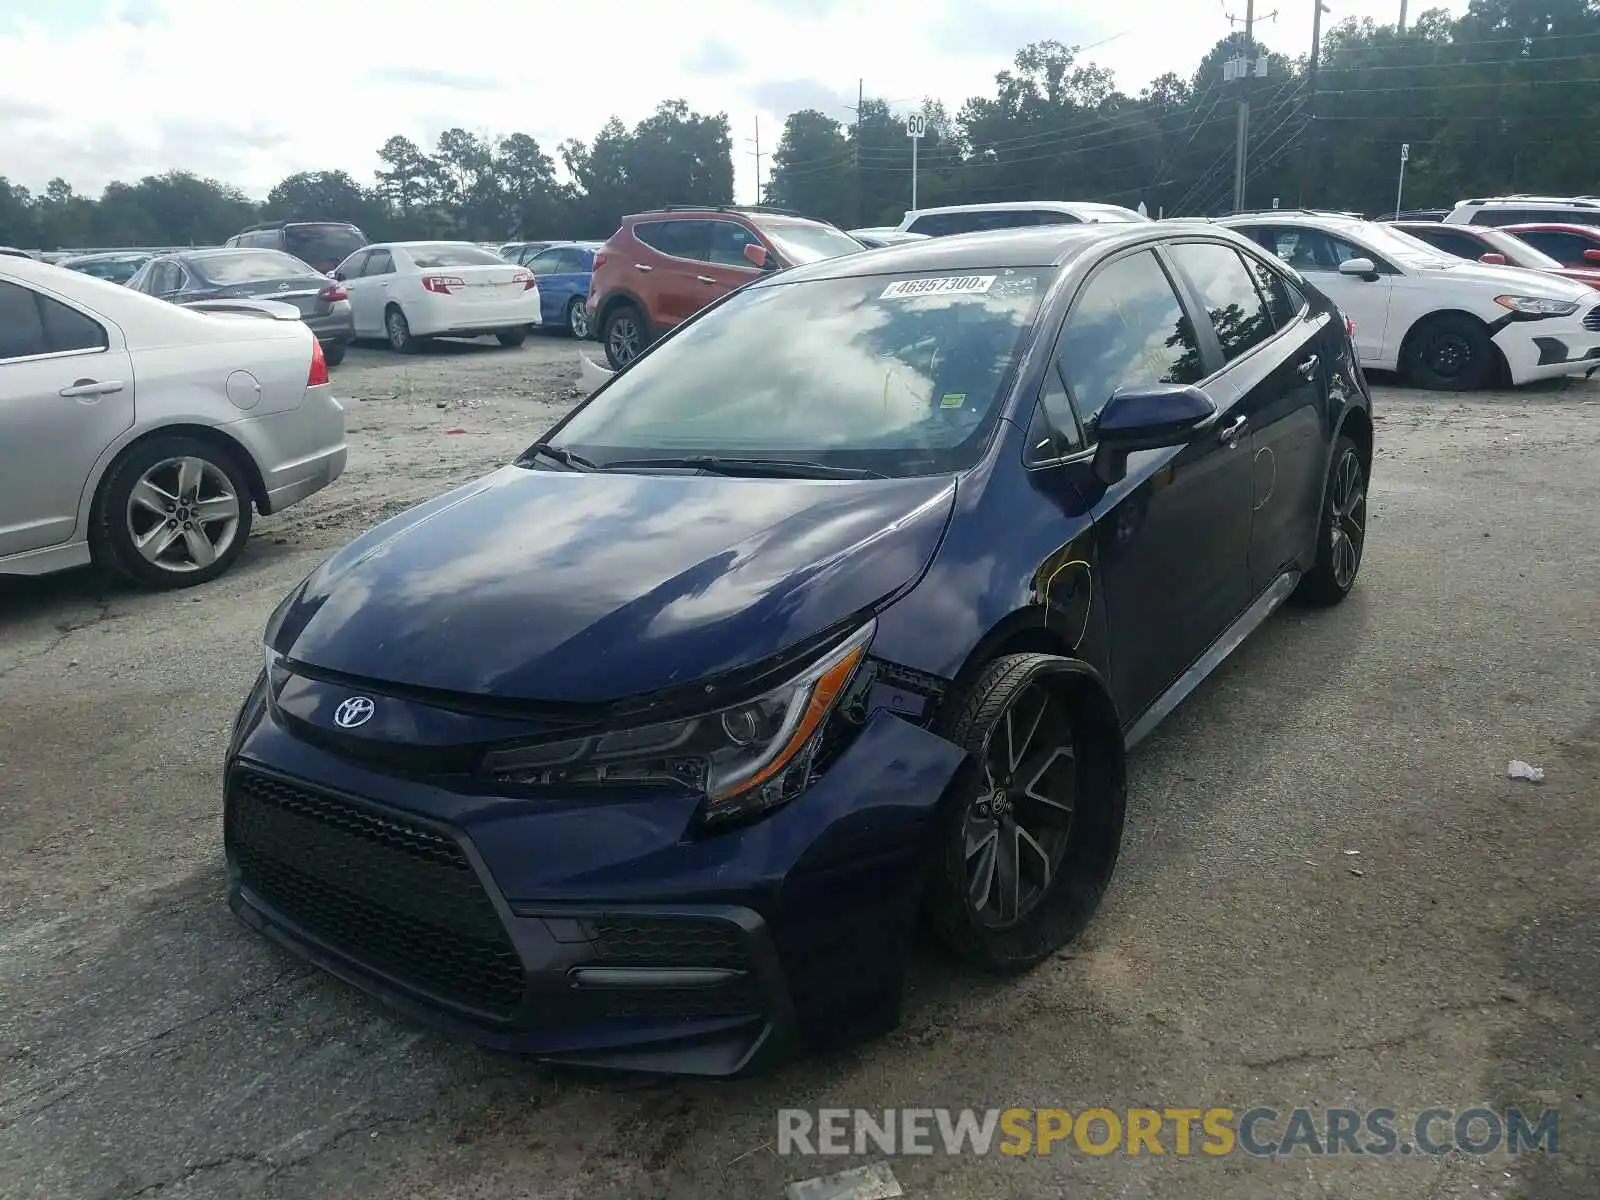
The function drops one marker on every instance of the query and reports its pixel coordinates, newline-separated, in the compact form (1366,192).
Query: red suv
(663,266)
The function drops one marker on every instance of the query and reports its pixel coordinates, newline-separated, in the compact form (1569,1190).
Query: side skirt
(1266,604)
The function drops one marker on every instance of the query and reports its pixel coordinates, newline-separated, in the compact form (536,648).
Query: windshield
(323,246)
(1403,248)
(448,254)
(806,241)
(249,266)
(1518,251)
(897,374)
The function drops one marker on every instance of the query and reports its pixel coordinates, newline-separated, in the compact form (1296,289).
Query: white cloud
(122,89)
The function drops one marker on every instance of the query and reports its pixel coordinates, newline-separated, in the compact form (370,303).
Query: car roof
(1062,206)
(1028,246)
(1287,217)
(1555,227)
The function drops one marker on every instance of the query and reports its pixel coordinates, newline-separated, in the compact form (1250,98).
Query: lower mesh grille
(1591,319)
(395,896)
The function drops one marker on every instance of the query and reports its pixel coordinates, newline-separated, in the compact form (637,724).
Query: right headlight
(746,758)
(1541,306)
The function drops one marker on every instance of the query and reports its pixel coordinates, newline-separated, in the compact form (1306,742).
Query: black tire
(117,520)
(333,353)
(1341,531)
(578,319)
(1080,843)
(1449,353)
(399,330)
(511,337)
(623,346)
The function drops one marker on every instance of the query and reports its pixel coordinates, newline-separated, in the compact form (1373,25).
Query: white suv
(1521,210)
(971,218)
(1441,321)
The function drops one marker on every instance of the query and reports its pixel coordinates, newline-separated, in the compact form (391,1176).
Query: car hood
(1522,281)
(587,587)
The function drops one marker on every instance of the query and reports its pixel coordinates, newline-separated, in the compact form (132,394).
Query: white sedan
(407,291)
(140,435)
(1441,321)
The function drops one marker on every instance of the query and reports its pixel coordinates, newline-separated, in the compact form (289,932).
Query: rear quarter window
(323,243)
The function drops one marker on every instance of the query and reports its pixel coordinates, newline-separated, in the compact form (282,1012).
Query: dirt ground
(151,1046)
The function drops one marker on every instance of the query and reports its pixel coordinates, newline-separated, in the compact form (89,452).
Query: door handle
(642,267)
(1309,367)
(705,279)
(1230,433)
(91,387)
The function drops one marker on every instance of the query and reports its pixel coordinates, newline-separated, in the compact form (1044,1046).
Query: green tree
(811,168)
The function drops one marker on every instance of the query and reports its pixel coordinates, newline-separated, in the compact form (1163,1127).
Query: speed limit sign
(916,125)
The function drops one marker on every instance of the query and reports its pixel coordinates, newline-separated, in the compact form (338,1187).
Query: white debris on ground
(1521,770)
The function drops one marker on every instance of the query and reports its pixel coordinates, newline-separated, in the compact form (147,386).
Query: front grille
(395,896)
(1591,319)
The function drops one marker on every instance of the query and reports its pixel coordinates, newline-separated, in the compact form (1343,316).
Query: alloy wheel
(1349,518)
(1016,829)
(578,320)
(183,514)
(624,339)
(399,331)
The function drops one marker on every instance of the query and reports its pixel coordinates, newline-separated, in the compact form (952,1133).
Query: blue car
(563,270)
(835,611)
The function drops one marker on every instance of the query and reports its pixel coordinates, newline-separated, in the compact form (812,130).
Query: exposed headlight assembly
(745,758)
(1539,306)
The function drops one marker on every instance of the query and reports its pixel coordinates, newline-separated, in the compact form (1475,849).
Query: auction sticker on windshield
(951,285)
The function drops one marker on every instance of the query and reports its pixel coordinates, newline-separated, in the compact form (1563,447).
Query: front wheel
(173,512)
(1341,532)
(1030,836)
(511,337)
(1449,353)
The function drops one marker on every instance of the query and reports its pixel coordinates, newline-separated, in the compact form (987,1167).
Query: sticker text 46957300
(949,285)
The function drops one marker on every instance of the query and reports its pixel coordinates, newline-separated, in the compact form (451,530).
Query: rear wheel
(511,337)
(1342,533)
(399,331)
(173,512)
(1449,353)
(578,318)
(623,334)
(1029,838)
(333,353)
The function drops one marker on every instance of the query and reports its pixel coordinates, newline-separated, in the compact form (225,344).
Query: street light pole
(1242,150)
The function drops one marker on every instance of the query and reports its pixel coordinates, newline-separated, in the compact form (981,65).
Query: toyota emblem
(357,710)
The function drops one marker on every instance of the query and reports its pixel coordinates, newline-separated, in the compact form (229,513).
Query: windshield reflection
(898,374)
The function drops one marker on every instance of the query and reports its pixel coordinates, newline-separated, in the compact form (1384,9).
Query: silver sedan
(141,436)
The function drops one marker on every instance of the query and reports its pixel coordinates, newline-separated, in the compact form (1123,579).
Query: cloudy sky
(95,90)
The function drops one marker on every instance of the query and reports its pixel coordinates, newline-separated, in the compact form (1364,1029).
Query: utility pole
(861,103)
(1308,151)
(1402,16)
(1242,151)
(758,159)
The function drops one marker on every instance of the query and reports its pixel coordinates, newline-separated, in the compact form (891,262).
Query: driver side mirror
(1493,259)
(759,258)
(336,275)
(1363,268)
(1147,418)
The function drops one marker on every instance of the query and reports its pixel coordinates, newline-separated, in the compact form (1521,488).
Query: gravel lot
(151,1046)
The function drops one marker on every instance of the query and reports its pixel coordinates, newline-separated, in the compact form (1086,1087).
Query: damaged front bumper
(596,932)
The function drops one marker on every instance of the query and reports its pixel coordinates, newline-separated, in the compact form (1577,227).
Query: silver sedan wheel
(625,339)
(578,320)
(183,514)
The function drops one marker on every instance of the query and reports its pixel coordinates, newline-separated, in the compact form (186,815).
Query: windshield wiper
(565,457)
(774,468)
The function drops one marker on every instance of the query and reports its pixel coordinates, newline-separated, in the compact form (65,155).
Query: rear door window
(1237,311)
(681,239)
(576,261)
(21,325)
(379,262)
(1284,300)
(1127,329)
(548,263)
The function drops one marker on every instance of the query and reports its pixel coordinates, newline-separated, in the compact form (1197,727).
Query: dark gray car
(243,274)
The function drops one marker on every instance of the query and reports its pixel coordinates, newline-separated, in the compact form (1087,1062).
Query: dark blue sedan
(563,270)
(835,611)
